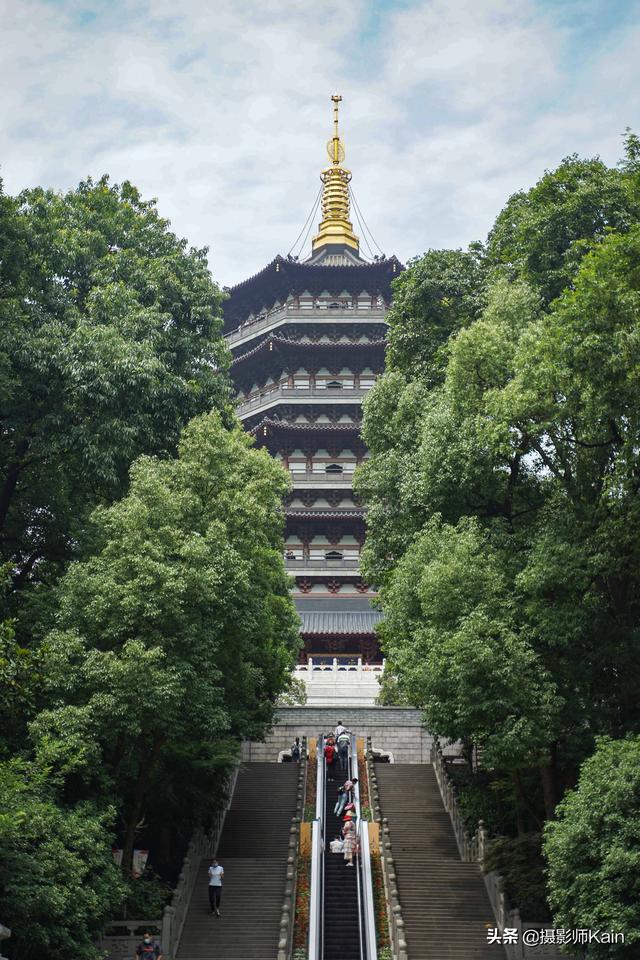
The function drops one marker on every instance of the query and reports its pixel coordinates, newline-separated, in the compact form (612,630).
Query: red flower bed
(303,893)
(380,903)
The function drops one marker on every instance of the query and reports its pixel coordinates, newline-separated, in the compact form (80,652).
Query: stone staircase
(253,851)
(444,901)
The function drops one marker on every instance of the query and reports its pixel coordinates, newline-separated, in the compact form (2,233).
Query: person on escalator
(350,840)
(330,756)
(343,796)
(343,749)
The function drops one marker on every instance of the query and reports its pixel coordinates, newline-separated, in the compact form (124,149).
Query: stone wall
(394,730)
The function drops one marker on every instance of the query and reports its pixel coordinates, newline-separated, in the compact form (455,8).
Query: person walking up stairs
(254,847)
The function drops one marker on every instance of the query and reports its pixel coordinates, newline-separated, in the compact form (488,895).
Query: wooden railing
(397,933)
(286,394)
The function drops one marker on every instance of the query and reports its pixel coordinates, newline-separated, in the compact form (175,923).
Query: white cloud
(222,112)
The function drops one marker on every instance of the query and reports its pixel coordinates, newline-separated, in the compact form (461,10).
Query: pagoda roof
(276,342)
(285,426)
(283,278)
(324,513)
(334,622)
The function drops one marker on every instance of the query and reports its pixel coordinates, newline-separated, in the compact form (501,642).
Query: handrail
(470,848)
(305,315)
(353,766)
(394,908)
(316,895)
(267,398)
(366,912)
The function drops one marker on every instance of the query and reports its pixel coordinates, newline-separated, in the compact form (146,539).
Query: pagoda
(308,342)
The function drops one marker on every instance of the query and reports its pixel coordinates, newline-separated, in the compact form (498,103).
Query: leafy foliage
(57,875)
(503,522)
(593,848)
(111,343)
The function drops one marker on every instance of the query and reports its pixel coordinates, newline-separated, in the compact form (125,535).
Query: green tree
(179,626)
(57,875)
(542,234)
(111,343)
(593,849)
(531,431)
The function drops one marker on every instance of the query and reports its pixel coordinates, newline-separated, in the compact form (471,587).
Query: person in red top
(330,755)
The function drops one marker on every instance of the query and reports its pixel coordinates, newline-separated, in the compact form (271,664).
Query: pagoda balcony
(299,395)
(303,315)
(303,567)
(321,481)
(309,512)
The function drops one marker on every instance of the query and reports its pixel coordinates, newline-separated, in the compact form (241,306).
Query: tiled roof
(334,622)
(302,346)
(286,425)
(283,278)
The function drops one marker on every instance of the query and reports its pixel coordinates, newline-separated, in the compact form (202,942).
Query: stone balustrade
(287,918)
(473,849)
(123,936)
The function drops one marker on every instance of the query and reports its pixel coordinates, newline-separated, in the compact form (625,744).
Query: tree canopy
(111,344)
(502,489)
(593,848)
(147,626)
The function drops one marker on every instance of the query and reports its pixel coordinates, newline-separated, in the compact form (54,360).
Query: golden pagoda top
(335,228)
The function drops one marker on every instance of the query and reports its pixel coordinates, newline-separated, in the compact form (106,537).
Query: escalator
(342,925)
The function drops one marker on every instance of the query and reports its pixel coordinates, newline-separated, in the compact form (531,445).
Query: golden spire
(335,228)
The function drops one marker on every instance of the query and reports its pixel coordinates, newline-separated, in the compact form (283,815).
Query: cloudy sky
(221,110)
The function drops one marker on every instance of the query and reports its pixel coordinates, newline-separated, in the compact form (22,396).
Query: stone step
(253,850)
(444,901)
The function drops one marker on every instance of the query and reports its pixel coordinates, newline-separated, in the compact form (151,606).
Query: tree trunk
(144,772)
(549,778)
(520,822)
(521,794)
(11,479)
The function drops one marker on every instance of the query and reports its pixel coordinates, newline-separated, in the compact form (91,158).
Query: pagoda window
(333,555)
(334,468)
(334,384)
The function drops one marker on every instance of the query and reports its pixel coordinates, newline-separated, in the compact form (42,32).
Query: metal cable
(360,215)
(307,224)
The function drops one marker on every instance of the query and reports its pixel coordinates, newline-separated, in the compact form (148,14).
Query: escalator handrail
(366,914)
(316,893)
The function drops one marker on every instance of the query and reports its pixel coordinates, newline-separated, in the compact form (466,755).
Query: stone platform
(337,684)
(397,731)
